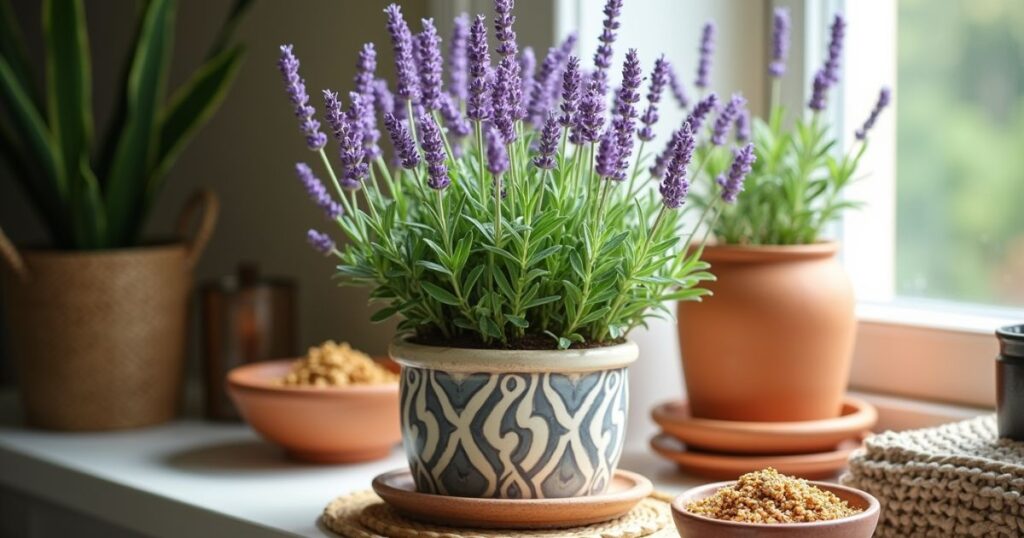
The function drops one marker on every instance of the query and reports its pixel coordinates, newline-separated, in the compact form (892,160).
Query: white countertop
(196,478)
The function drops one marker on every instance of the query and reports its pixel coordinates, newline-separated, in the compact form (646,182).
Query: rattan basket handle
(10,254)
(205,202)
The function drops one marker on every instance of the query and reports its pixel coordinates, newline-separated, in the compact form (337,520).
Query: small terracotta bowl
(322,425)
(861,525)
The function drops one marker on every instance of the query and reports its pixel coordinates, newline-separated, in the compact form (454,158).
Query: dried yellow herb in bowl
(337,365)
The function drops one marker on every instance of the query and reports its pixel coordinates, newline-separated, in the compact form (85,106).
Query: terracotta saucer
(730,466)
(765,437)
(624,492)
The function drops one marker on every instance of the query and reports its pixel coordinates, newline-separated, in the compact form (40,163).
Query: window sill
(899,414)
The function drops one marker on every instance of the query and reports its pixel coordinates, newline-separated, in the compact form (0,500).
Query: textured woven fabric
(364,515)
(958,479)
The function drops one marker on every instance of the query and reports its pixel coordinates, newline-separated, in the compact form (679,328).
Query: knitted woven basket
(98,337)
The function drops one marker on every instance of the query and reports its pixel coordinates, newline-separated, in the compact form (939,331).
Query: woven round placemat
(364,515)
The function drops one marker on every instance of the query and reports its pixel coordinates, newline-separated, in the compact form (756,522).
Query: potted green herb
(513,241)
(97,321)
(775,341)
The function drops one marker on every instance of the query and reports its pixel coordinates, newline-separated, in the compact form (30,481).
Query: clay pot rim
(872,509)
(862,415)
(470,360)
(255,377)
(769,253)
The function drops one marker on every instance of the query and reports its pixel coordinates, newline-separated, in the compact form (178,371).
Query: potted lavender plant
(512,239)
(779,281)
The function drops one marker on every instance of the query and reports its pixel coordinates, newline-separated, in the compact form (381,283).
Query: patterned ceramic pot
(513,424)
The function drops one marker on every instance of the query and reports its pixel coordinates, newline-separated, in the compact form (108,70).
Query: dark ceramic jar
(1010,382)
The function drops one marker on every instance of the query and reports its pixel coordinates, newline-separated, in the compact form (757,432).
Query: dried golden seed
(334,365)
(769,497)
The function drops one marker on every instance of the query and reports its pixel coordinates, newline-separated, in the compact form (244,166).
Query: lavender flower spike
(570,92)
(503,21)
(405,63)
(428,60)
(527,69)
(366,86)
(701,110)
(478,104)
(608,155)
(707,47)
(348,131)
(383,101)
(317,192)
(835,49)
(625,122)
(674,187)
(726,119)
(743,126)
(320,241)
(659,76)
(402,142)
(296,88)
(590,117)
(545,159)
(603,56)
(497,156)
(433,153)
(780,42)
(677,88)
(884,97)
(732,185)
(458,58)
(542,90)
(819,93)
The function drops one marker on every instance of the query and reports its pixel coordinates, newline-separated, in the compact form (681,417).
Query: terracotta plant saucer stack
(726,449)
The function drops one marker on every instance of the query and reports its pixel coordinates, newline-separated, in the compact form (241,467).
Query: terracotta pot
(98,337)
(513,424)
(774,341)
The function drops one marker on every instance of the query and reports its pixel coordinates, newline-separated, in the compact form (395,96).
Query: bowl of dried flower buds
(335,405)
(768,503)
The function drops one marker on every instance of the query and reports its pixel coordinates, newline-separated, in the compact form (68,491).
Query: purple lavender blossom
(320,241)
(677,88)
(701,110)
(674,187)
(707,47)
(884,97)
(545,159)
(348,131)
(433,154)
(478,105)
(503,21)
(625,121)
(732,185)
(317,192)
(570,92)
(365,82)
(403,143)
(497,155)
(659,76)
(383,100)
(506,98)
(819,95)
(780,42)
(333,113)
(541,96)
(458,58)
(428,59)
(835,49)
(296,88)
(454,121)
(608,155)
(405,61)
(603,56)
(527,69)
(590,116)
(726,118)
(743,126)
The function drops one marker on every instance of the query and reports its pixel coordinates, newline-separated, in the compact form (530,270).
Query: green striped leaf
(30,126)
(12,49)
(136,146)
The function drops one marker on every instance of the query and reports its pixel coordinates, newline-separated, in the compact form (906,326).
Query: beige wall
(247,152)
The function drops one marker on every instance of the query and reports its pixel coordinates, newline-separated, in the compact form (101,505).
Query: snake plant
(95,194)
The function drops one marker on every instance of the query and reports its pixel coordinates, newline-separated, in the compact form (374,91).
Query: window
(960,140)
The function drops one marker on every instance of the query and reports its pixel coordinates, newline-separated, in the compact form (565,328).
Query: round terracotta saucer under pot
(861,525)
(317,424)
(712,465)
(625,490)
(808,436)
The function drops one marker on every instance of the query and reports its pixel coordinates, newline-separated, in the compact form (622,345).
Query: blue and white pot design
(513,424)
